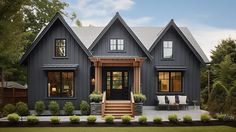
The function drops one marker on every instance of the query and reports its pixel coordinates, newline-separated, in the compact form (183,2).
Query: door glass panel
(116,80)
(108,83)
(126,79)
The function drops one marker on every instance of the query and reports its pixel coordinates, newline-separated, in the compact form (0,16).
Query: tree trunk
(1,88)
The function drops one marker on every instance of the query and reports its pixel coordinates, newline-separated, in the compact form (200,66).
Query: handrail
(132,102)
(103,102)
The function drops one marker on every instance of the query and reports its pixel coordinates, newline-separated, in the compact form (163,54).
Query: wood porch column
(137,79)
(98,77)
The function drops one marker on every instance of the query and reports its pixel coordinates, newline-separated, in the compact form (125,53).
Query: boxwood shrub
(22,109)
(84,108)
(95,97)
(205,118)
(126,119)
(54,108)
(74,119)
(8,109)
(139,98)
(142,119)
(32,119)
(55,120)
(39,107)
(173,118)
(69,108)
(91,119)
(109,119)
(187,119)
(224,117)
(13,118)
(157,120)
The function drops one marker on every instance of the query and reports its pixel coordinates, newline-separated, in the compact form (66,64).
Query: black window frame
(170,81)
(163,49)
(55,48)
(116,45)
(61,82)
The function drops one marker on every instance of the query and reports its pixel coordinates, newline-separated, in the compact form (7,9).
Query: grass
(122,129)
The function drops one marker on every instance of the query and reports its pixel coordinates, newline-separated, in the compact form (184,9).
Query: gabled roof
(187,37)
(118,17)
(44,30)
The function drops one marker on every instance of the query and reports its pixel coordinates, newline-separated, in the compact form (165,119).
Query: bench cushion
(171,99)
(182,99)
(161,99)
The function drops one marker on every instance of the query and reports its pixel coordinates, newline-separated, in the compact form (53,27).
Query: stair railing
(132,103)
(103,102)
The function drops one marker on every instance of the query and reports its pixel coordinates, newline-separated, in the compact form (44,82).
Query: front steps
(118,108)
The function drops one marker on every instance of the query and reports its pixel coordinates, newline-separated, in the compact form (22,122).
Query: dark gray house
(67,63)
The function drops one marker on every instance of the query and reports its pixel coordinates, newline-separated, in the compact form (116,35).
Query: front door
(117,84)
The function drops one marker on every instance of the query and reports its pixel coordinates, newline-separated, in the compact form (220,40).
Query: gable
(56,19)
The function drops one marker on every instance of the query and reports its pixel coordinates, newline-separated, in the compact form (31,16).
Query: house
(67,63)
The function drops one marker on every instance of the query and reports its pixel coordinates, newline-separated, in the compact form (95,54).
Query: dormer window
(60,47)
(116,44)
(168,49)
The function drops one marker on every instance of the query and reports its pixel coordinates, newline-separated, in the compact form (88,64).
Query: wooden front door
(117,84)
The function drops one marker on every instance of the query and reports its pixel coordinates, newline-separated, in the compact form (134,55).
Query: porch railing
(103,102)
(132,103)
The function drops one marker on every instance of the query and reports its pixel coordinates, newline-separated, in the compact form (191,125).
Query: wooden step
(118,108)
(128,112)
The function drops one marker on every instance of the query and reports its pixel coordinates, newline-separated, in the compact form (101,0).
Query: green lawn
(122,129)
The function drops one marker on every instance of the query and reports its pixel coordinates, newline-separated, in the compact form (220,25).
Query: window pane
(117,80)
(164,81)
(108,84)
(167,49)
(60,47)
(67,84)
(120,45)
(126,81)
(112,44)
(176,78)
(54,84)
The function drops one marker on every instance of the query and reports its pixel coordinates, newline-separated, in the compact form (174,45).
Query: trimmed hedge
(157,120)
(39,107)
(142,119)
(8,109)
(84,108)
(55,120)
(13,118)
(187,119)
(91,119)
(173,118)
(205,118)
(69,108)
(74,119)
(22,109)
(32,119)
(109,119)
(54,108)
(126,119)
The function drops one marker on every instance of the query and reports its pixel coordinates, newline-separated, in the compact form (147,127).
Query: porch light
(93,81)
(54,89)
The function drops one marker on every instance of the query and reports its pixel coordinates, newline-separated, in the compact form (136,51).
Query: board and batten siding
(43,53)
(182,57)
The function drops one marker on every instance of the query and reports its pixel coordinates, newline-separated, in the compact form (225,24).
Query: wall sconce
(93,81)
(54,89)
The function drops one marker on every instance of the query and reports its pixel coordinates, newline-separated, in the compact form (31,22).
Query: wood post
(98,78)
(137,79)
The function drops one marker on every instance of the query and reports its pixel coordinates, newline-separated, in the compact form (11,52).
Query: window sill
(61,98)
(116,51)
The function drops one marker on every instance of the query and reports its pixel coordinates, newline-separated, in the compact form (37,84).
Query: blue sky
(208,20)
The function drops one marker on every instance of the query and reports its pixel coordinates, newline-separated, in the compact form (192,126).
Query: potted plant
(139,99)
(95,102)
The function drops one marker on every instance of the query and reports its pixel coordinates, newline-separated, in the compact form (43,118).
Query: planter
(96,108)
(138,107)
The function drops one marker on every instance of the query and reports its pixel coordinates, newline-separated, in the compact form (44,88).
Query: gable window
(167,49)
(60,48)
(170,82)
(60,84)
(117,44)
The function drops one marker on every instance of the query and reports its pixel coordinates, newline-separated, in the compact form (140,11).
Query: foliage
(22,109)
(205,118)
(139,98)
(32,119)
(74,119)
(109,119)
(187,119)
(54,107)
(173,118)
(55,120)
(39,107)
(8,109)
(224,117)
(84,108)
(157,120)
(142,119)
(69,108)
(91,119)
(95,97)
(126,119)
(13,118)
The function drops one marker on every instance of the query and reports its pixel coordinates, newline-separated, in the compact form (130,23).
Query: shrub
(224,117)
(173,118)
(39,107)
(95,97)
(8,109)
(84,108)
(139,98)
(142,119)
(109,119)
(126,119)
(187,119)
(74,119)
(13,118)
(53,107)
(91,119)
(69,108)
(32,119)
(205,118)
(22,109)
(157,120)
(55,120)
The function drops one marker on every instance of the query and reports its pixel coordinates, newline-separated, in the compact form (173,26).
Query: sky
(209,21)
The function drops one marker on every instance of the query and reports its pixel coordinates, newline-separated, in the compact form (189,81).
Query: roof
(11,84)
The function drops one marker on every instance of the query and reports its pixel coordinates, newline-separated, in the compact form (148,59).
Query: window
(167,49)
(170,81)
(116,44)
(60,84)
(60,48)
(117,80)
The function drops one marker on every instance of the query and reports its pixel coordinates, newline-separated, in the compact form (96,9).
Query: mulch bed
(119,124)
